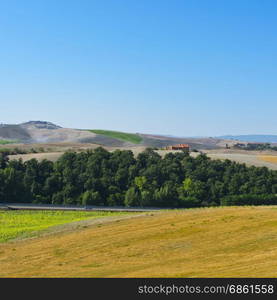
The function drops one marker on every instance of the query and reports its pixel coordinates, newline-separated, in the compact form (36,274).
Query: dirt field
(206,242)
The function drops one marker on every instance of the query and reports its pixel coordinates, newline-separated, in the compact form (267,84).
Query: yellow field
(269,158)
(206,242)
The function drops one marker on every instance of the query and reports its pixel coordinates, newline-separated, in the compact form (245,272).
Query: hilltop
(40,125)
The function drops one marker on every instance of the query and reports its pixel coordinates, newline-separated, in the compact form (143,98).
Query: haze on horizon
(182,68)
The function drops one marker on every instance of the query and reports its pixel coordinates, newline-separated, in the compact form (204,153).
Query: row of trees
(99,177)
(255,146)
(14,151)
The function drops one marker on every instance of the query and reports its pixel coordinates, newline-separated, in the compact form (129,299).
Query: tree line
(100,177)
(15,151)
(255,146)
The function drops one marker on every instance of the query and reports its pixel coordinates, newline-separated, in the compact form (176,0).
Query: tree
(98,177)
(91,198)
(140,182)
(166,195)
(132,197)
(3,161)
(194,189)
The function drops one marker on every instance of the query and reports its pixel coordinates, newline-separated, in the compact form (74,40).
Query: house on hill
(178,147)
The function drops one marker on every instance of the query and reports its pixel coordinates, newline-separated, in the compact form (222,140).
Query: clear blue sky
(180,67)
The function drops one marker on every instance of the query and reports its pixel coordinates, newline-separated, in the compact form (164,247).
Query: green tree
(91,198)
(132,197)
(140,182)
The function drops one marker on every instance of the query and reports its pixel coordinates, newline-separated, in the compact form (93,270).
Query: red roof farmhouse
(178,147)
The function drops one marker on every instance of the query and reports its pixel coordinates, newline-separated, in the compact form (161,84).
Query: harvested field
(206,242)
(248,159)
(269,158)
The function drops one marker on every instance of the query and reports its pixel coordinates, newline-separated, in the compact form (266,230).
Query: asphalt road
(30,206)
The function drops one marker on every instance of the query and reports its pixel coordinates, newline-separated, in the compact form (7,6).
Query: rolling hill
(46,132)
(160,141)
(207,242)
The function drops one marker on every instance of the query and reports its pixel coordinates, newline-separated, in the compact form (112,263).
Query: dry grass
(53,156)
(211,242)
(240,157)
(269,158)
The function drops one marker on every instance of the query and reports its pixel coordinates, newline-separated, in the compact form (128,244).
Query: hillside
(13,132)
(123,136)
(8,142)
(160,141)
(209,242)
(46,132)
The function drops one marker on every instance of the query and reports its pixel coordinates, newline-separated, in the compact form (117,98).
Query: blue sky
(187,68)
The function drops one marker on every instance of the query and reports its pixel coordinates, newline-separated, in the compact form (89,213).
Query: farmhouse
(178,147)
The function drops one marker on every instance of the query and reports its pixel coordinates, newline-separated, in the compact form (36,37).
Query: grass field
(206,242)
(6,142)
(21,223)
(127,137)
(269,158)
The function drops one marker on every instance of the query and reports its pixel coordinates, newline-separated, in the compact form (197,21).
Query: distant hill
(259,138)
(13,132)
(47,132)
(160,141)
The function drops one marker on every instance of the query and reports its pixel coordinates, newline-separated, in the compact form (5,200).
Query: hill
(209,242)
(160,141)
(40,124)
(13,132)
(46,132)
